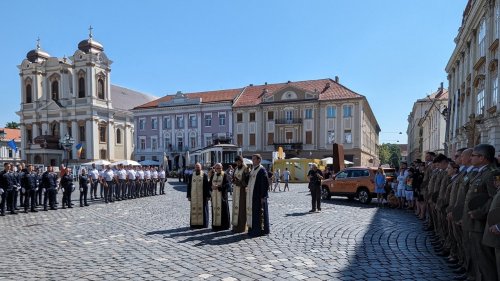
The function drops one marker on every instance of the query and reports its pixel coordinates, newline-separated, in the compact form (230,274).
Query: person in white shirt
(162,176)
(154,180)
(141,188)
(122,186)
(277,175)
(131,180)
(94,181)
(147,179)
(403,174)
(108,182)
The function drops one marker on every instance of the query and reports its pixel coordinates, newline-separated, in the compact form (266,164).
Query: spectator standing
(277,175)
(380,181)
(286,179)
(315,176)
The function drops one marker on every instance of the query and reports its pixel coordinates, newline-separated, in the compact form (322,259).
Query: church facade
(74,97)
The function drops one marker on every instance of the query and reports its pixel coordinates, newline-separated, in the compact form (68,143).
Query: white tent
(97,163)
(247,161)
(127,162)
(327,160)
(149,163)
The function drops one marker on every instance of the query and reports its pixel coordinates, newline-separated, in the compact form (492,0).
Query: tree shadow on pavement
(391,244)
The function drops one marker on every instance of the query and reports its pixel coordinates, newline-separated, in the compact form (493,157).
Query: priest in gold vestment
(198,193)
(220,205)
(240,181)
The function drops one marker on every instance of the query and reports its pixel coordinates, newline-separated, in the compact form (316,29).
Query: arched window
(55,90)
(29,97)
(100,88)
(118,136)
(81,87)
(54,129)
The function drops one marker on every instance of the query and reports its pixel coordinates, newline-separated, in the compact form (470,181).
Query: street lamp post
(67,142)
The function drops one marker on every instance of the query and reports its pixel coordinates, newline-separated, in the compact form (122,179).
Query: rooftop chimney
(441,88)
(289,82)
(336,79)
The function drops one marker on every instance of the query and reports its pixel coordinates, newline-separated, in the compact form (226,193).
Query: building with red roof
(9,152)
(304,118)
(181,123)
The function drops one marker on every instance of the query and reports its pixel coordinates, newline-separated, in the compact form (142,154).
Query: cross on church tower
(90,32)
(38,43)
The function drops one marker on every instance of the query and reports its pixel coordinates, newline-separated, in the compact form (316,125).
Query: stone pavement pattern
(149,239)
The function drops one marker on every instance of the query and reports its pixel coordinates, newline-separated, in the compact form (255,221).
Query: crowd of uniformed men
(459,201)
(24,187)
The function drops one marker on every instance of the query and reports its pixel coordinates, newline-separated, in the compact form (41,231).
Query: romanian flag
(79,148)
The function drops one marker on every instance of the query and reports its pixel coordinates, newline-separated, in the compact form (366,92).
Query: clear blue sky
(391,51)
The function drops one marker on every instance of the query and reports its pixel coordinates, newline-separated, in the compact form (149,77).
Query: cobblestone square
(149,239)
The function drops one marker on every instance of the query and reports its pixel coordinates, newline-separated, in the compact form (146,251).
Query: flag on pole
(79,148)
(12,144)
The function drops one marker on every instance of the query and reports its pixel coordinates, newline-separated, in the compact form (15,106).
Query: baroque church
(73,97)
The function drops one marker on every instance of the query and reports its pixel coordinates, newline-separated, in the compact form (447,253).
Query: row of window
(180,144)
(54,90)
(179,122)
(193,119)
(331,112)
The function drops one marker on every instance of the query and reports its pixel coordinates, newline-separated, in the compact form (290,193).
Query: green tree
(390,154)
(12,125)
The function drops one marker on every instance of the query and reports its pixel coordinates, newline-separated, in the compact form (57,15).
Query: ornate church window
(100,88)
(55,90)
(81,87)
(102,134)
(118,136)
(29,97)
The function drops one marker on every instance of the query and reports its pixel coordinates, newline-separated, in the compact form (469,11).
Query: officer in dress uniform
(19,172)
(154,180)
(477,203)
(84,181)
(162,177)
(140,181)
(108,182)
(49,184)
(122,183)
(67,186)
(8,185)
(30,184)
(131,181)
(94,181)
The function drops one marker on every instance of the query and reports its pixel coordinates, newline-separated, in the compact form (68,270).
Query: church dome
(90,45)
(37,54)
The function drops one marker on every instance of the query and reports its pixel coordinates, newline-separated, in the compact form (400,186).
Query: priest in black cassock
(257,208)
(198,193)
(220,207)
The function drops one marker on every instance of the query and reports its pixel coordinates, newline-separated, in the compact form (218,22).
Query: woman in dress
(380,185)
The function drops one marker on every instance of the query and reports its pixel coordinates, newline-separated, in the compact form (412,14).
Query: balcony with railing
(288,121)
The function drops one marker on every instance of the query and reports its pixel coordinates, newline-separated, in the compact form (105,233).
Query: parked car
(354,182)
